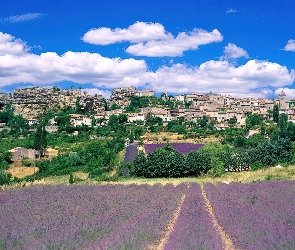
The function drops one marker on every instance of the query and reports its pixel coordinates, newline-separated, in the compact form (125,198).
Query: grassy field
(273,173)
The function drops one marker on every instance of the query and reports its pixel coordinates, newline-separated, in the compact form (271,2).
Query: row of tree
(212,158)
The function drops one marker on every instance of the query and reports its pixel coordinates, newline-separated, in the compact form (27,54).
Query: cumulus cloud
(135,33)
(175,46)
(229,11)
(290,93)
(18,65)
(290,45)
(221,77)
(12,46)
(22,18)
(95,91)
(152,40)
(232,51)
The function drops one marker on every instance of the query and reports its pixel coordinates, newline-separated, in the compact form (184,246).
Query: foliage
(176,126)
(197,163)
(137,102)
(94,157)
(115,120)
(18,125)
(40,140)
(154,124)
(282,124)
(276,113)
(5,178)
(26,162)
(114,106)
(71,179)
(166,162)
(203,122)
(139,165)
(253,120)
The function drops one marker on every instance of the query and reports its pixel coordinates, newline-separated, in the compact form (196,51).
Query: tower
(282,100)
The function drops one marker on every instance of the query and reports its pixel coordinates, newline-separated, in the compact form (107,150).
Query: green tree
(18,125)
(139,165)
(253,120)
(276,113)
(78,106)
(40,140)
(165,162)
(114,106)
(71,179)
(282,123)
(122,118)
(203,122)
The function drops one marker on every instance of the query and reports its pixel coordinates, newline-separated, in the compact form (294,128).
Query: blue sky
(243,48)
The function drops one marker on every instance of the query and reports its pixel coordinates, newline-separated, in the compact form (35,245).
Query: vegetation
(98,157)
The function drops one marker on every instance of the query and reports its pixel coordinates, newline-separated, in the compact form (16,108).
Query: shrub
(139,165)
(217,166)
(71,179)
(26,162)
(256,165)
(5,178)
(197,163)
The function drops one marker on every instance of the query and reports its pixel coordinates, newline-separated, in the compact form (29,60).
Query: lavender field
(183,148)
(254,216)
(257,215)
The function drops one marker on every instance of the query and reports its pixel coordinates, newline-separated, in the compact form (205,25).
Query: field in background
(273,173)
(162,137)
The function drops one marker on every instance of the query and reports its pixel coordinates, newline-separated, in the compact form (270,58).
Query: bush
(71,179)
(5,178)
(139,165)
(256,165)
(26,162)
(197,163)
(165,162)
(217,166)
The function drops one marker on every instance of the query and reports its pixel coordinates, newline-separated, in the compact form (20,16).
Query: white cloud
(135,33)
(18,65)
(12,46)
(94,91)
(221,77)
(22,18)
(254,78)
(290,45)
(290,93)
(152,40)
(175,46)
(232,51)
(229,11)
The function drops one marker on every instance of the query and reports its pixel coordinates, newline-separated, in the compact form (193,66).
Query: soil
(17,170)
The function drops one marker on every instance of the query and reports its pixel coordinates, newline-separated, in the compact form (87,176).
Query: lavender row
(253,214)
(183,148)
(147,228)
(194,228)
(69,217)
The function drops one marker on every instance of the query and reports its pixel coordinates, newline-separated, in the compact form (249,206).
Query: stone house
(20,152)
(136,116)
(145,93)
(79,120)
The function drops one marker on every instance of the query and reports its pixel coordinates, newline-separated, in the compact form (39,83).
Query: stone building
(20,153)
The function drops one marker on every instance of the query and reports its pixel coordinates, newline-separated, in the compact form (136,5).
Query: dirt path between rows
(170,227)
(226,240)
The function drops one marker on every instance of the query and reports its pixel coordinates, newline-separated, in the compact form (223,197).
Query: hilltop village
(31,103)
